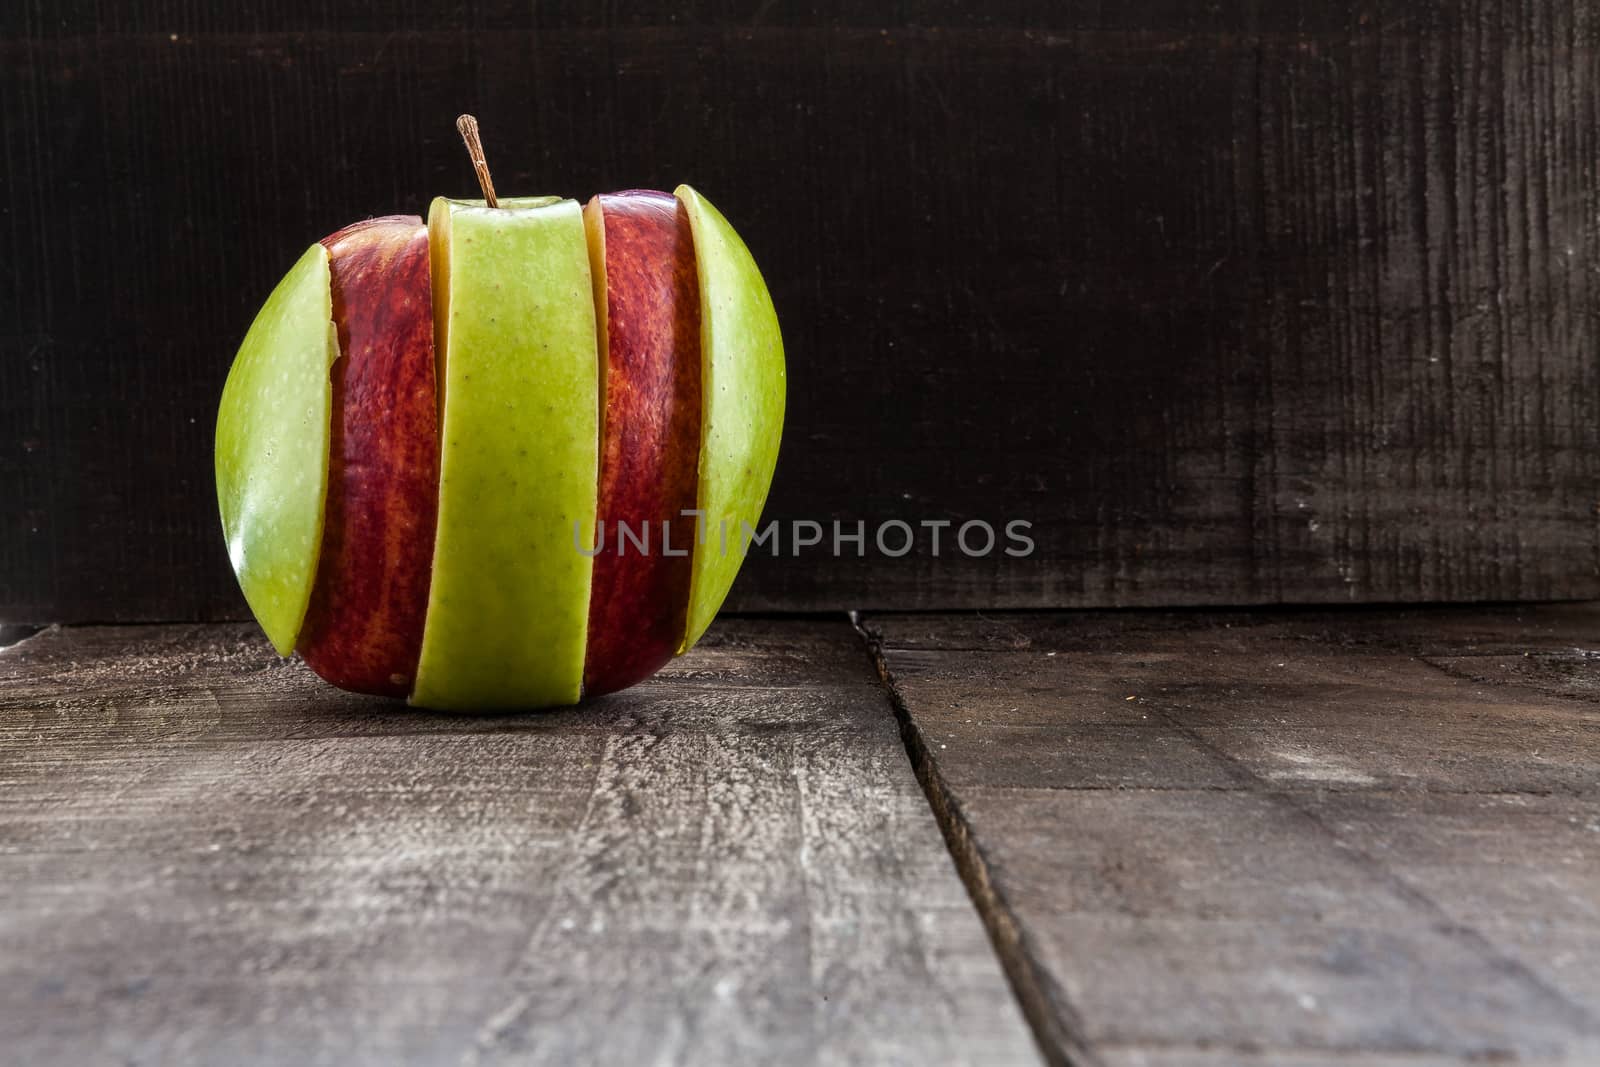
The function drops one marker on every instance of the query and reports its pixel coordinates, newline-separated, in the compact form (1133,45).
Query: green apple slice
(742,396)
(519,383)
(272,447)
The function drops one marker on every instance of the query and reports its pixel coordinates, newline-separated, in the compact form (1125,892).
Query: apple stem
(469,133)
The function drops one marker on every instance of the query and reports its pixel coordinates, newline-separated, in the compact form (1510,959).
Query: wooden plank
(210,857)
(1236,303)
(1305,837)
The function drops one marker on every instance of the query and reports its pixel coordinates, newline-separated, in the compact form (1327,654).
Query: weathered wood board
(1236,302)
(209,857)
(1291,838)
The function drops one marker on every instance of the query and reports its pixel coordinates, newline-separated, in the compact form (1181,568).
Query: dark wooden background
(1237,302)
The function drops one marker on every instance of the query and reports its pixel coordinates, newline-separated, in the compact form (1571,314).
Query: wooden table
(1165,839)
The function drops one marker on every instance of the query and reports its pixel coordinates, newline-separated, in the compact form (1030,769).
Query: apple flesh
(363,628)
(648,297)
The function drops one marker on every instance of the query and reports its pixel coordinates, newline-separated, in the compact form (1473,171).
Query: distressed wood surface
(1235,302)
(210,857)
(1293,838)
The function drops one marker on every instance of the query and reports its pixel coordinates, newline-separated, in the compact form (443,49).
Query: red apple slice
(648,298)
(363,630)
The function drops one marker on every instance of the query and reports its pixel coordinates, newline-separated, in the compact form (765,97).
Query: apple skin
(742,399)
(272,448)
(642,253)
(514,322)
(363,629)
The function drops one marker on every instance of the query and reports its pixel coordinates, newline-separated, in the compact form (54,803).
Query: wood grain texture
(211,857)
(1237,303)
(1288,838)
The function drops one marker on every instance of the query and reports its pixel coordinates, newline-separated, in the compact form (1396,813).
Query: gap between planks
(1045,1007)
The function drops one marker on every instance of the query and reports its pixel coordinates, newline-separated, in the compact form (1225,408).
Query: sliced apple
(519,374)
(363,629)
(741,414)
(272,448)
(648,302)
